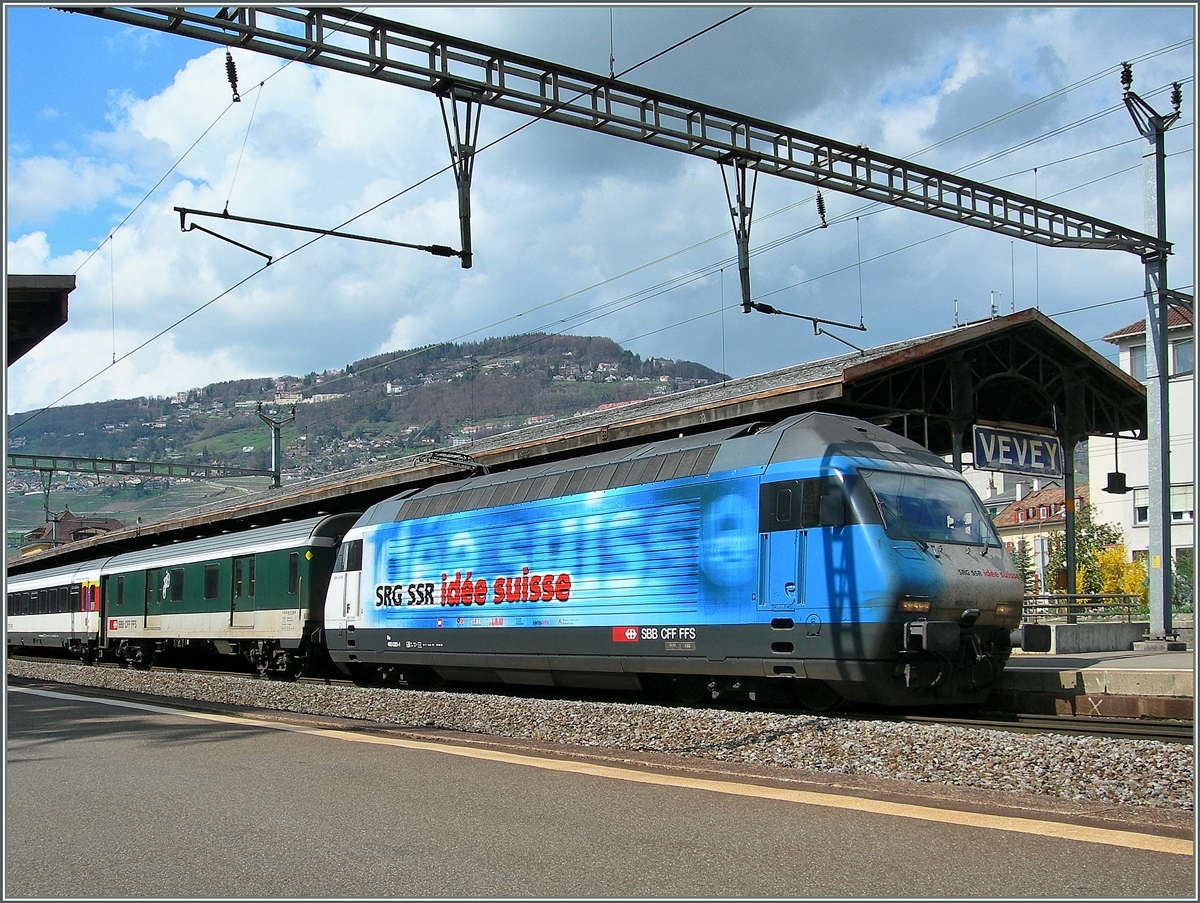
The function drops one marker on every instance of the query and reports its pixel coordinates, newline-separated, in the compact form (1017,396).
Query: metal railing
(1086,606)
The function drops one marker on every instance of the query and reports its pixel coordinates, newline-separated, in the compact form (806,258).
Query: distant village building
(1032,517)
(64,528)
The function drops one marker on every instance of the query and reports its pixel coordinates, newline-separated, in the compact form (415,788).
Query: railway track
(1097,726)
(1090,725)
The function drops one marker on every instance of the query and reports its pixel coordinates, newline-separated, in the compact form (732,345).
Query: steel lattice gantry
(115,467)
(464,70)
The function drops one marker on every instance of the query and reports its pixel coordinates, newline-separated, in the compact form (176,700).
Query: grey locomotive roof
(829,435)
(811,435)
(323,530)
(387,510)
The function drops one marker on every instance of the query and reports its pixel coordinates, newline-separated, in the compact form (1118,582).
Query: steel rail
(418,58)
(1090,725)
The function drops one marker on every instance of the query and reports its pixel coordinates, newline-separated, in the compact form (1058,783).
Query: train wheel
(422,676)
(364,675)
(816,695)
(691,689)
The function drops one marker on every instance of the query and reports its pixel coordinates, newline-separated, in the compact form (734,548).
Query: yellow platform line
(1084,834)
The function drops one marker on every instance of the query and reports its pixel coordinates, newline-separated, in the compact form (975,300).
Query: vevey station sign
(1013,451)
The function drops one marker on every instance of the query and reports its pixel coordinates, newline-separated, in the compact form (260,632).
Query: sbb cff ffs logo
(625,634)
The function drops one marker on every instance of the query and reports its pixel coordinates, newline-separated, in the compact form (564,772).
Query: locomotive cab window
(349,556)
(804,505)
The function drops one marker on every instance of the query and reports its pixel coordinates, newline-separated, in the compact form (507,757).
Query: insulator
(231,71)
(1176,95)
(1126,76)
(821,209)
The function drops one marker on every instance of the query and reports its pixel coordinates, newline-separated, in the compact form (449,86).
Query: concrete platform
(1111,684)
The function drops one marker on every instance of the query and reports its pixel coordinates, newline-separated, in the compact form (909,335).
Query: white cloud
(556,210)
(39,187)
(29,254)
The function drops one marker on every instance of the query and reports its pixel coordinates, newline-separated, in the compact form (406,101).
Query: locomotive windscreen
(930,509)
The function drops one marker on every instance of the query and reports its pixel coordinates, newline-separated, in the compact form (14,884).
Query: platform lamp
(1116,480)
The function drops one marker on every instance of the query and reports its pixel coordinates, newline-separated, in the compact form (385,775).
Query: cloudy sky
(572,231)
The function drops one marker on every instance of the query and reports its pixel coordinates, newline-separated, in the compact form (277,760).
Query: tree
(1184,594)
(1118,575)
(1023,561)
(1091,539)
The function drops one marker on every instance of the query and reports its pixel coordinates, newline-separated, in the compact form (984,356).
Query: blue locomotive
(822,555)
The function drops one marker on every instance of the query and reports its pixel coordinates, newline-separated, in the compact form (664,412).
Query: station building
(1129,456)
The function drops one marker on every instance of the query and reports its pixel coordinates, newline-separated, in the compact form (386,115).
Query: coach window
(120,590)
(293,573)
(74,599)
(176,584)
(212,580)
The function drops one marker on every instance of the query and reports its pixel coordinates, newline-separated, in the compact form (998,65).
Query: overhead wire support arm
(349,41)
(741,208)
(816,321)
(436,250)
(196,227)
(462,135)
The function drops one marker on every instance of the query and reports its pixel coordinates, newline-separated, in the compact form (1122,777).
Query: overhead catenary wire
(192,147)
(523,126)
(241,153)
(306,244)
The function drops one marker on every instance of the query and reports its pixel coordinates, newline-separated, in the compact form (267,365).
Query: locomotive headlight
(1007,609)
(913,606)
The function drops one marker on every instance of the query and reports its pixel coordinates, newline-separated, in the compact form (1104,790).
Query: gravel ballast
(1085,769)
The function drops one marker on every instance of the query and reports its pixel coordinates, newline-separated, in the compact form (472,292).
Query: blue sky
(579,226)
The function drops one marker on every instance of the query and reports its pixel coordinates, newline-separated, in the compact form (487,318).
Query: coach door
(155,591)
(241,609)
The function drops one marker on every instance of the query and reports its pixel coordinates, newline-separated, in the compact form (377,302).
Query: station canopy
(1021,370)
(35,306)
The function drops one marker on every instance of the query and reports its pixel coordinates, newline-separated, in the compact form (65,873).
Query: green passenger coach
(258,594)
